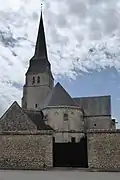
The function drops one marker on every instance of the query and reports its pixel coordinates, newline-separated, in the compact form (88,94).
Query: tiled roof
(96,105)
(58,97)
(37,118)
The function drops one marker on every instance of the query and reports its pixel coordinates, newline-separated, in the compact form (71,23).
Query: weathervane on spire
(41,6)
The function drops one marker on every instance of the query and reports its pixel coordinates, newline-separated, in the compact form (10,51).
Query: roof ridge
(15,102)
(91,96)
(23,118)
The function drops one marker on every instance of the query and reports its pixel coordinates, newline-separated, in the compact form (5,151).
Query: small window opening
(53,139)
(65,116)
(94,124)
(36,105)
(46,117)
(33,80)
(38,79)
(73,139)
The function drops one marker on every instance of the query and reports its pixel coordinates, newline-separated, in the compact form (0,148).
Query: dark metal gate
(70,154)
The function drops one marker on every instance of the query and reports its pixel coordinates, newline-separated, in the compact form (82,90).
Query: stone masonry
(25,150)
(104,149)
(15,119)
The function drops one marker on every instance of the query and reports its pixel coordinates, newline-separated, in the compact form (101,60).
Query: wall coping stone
(103,131)
(40,132)
(70,131)
(50,132)
(90,131)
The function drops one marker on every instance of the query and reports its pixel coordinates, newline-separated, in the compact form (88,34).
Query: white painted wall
(66,137)
(74,123)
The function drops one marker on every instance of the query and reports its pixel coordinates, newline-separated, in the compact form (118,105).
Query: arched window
(65,116)
(54,139)
(38,79)
(56,113)
(33,80)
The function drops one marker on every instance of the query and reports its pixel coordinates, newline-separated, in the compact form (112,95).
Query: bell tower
(39,79)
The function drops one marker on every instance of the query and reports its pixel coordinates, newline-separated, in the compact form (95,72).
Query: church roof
(37,118)
(96,105)
(58,97)
(17,119)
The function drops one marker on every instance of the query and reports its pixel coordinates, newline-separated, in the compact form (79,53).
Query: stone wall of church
(104,149)
(25,150)
(68,136)
(35,93)
(100,122)
(65,126)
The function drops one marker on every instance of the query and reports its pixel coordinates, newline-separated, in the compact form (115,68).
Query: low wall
(104,149)
(25,150)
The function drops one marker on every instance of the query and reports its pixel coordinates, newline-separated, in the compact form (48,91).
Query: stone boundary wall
(104,149)
(26,150)
(36,132)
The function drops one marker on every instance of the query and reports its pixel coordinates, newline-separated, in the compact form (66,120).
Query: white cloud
(81,35)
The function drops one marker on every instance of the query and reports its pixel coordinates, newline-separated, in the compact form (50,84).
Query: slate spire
(40,49)
(39,63)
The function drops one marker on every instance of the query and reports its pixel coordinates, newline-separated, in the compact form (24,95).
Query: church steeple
(40,49)
(39,79)
(39,62)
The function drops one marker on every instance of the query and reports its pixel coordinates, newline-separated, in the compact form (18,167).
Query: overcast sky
(83,37)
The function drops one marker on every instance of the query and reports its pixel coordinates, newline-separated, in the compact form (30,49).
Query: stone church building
(54,129)
(61,111)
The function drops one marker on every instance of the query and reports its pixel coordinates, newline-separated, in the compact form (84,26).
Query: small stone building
(25,140)
(54,129)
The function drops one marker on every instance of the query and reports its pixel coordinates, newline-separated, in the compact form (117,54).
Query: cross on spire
(41,6)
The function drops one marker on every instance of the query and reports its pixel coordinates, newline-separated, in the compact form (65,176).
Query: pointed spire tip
(41,49)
